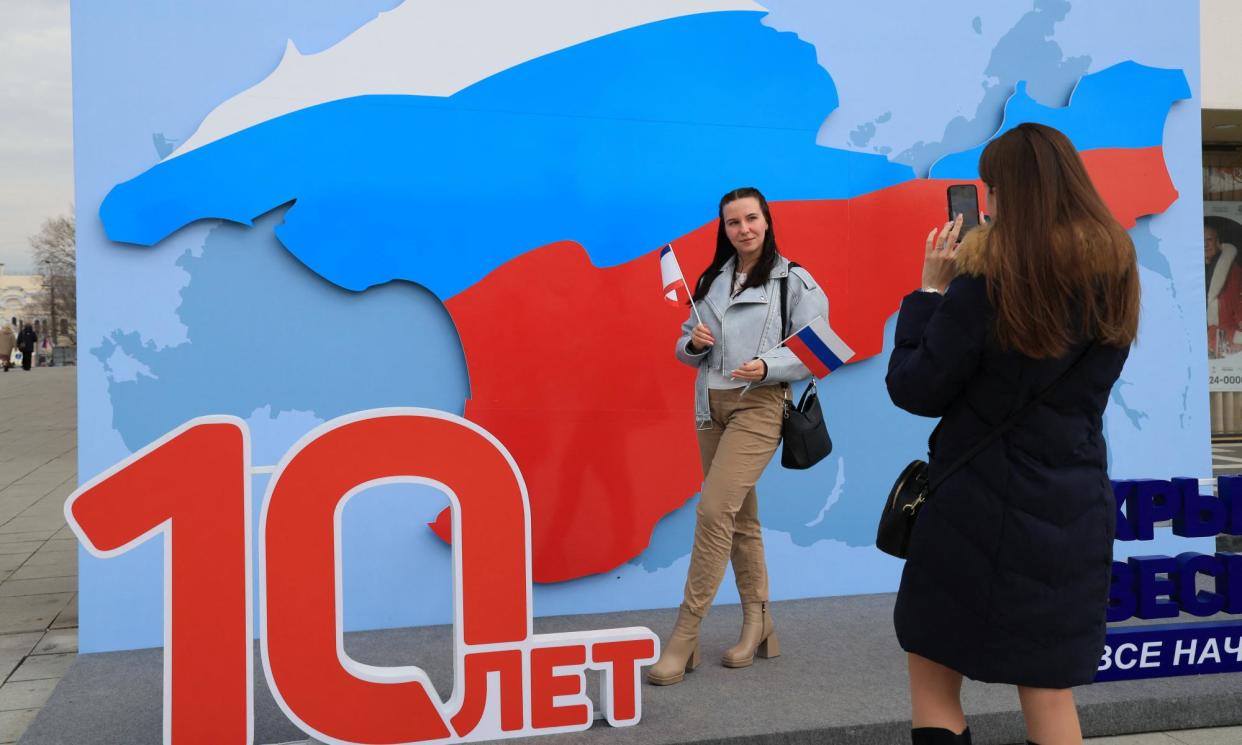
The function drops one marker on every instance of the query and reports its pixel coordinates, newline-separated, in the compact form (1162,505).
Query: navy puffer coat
(1008,572)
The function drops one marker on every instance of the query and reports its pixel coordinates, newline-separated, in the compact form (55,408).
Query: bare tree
(55,254)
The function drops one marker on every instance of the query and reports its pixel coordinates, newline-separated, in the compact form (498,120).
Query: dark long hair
(1060,267)
(762,270)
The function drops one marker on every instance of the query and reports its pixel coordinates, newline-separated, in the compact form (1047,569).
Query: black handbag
(803,431)
(913,487)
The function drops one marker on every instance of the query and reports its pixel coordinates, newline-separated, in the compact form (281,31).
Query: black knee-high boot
(938,736)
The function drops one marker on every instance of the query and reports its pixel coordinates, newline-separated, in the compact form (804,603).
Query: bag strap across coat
(1009,423)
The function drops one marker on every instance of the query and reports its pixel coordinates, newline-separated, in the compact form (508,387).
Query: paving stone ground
(38,554)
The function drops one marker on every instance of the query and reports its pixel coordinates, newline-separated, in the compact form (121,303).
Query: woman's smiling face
(746,228)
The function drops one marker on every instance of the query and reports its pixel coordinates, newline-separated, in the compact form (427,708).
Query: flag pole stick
(690,297)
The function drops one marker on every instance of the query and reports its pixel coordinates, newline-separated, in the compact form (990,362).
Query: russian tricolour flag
(670,275)
(819,348)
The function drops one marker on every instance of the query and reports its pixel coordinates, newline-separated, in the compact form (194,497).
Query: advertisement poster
(1222,281)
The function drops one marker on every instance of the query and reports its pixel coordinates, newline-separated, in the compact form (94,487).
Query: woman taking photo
(739,400)
(1031,317)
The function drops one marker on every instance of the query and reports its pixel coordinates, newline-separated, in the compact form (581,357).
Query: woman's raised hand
(939,255)
(701,338)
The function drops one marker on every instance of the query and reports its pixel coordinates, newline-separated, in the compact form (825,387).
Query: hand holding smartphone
(941,247)
(964,201)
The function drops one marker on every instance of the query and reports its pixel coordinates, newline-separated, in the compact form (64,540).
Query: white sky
(36,132)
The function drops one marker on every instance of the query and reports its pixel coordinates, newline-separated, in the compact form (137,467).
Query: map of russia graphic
(466,195)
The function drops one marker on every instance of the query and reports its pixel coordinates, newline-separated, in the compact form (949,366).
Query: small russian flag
(819,347)
(670,275)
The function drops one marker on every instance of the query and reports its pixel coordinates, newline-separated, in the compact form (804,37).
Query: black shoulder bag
(913,488)
(804,432)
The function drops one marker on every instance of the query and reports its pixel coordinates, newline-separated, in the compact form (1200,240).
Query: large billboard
(292,212)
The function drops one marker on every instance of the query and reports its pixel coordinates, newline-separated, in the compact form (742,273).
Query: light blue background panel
(296,270)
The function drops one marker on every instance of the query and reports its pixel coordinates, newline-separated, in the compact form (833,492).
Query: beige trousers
(744,434)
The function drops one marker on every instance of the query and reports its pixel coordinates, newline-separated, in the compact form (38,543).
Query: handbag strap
(785,301)
(1009,423)
(785,335)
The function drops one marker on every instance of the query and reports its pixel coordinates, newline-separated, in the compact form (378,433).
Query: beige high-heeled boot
(758,637)
(680,654)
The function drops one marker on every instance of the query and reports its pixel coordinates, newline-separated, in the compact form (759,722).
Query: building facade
(1222,192)
(23,301)
(19,293)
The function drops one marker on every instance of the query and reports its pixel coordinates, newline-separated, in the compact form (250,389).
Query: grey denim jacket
(748,326)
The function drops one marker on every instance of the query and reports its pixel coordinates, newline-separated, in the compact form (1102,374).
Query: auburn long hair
(724,248)
(1060,268)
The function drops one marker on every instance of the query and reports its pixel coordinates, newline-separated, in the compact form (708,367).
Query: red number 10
(193,486)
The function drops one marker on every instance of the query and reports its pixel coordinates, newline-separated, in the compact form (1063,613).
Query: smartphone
(964,201)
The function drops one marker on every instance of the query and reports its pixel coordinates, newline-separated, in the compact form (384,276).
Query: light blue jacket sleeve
(807,301)
(683,344)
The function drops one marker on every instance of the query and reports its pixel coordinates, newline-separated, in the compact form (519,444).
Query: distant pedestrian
(8,340)
(26,341)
